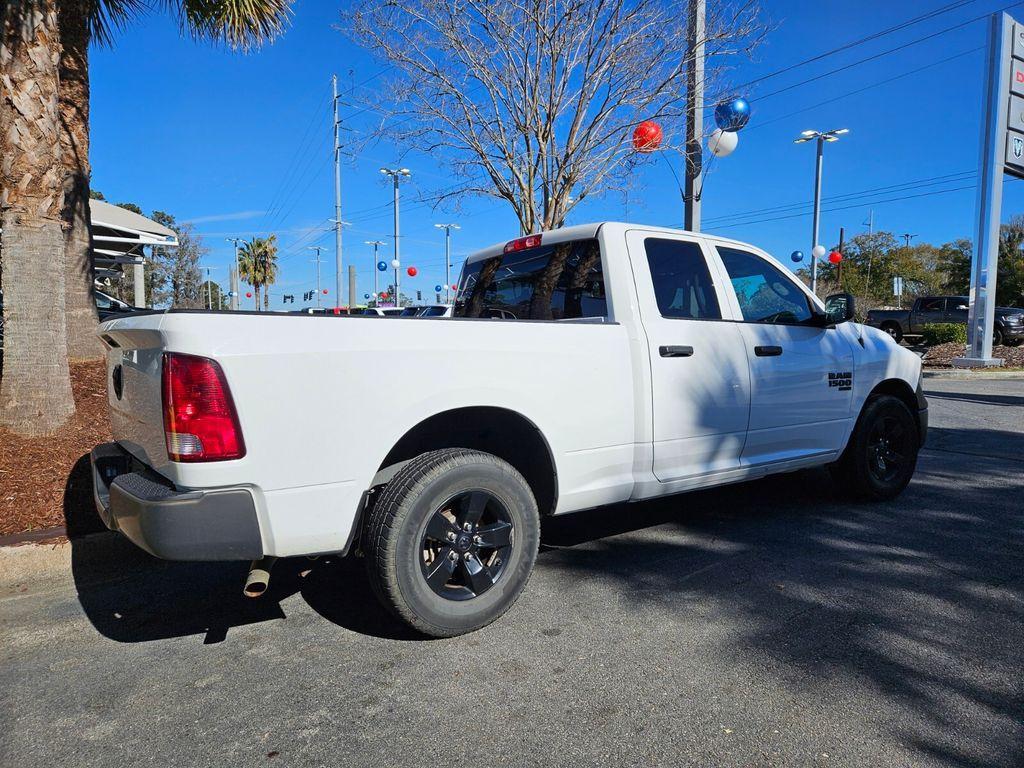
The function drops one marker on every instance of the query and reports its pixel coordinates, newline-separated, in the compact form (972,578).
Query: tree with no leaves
(534,101)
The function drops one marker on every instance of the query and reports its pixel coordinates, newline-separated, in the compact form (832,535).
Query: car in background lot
(107,306)
(436,310)
(643,362)
(927,310)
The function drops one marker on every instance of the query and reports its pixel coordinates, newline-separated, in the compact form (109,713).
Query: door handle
(768,351)
(675,351)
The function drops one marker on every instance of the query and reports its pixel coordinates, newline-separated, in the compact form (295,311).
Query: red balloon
(835,257)
(412,271)
(455,287)
(647,136)
(248,294)
(325,291)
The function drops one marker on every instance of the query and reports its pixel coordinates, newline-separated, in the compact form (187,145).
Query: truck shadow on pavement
(919,602)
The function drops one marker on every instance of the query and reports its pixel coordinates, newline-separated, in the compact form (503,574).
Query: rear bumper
(219,524)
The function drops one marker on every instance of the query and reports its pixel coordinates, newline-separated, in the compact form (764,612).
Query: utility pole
(870,223)
(907,237)
(695,19)
(376,244)
(447,259)
(842,240)
(351,286)
(317,262)
(820,138)
(236,299)
(209,290)
(337,195)
(396,174)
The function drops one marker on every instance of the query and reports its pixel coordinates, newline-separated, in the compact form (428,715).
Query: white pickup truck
(585,366)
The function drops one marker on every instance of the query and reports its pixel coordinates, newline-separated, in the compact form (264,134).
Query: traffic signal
(419,296)
(288,298)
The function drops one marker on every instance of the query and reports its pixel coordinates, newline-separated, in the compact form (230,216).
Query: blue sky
(240,145)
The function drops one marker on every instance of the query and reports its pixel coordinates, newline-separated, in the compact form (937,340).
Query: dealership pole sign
(1002,152)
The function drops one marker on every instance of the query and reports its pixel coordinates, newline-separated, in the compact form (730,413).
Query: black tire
(881,455)
(894,330)
(437,585)
(997,337)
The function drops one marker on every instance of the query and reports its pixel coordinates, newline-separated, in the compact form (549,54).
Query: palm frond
(107,17)
(240,24)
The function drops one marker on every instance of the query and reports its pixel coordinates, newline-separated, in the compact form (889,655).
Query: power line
(867,39)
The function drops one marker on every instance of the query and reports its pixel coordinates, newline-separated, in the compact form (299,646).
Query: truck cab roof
(584,231)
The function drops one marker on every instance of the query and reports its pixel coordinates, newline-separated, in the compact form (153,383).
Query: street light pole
(376,244)
(317,262)
(447,259)
(396,175)
(820,137)
(237,289)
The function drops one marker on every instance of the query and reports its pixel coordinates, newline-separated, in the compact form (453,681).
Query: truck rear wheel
(451,541)
(881,455)
(894,330)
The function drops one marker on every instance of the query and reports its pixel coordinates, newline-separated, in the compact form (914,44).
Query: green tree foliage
(182,276)
(257,264)
(213,296)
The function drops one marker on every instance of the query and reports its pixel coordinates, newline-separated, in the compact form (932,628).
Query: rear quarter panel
(322,399)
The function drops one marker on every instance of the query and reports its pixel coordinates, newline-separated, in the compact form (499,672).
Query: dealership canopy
(118,236)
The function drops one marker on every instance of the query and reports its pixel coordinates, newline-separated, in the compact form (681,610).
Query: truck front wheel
(881,456)
(451,541)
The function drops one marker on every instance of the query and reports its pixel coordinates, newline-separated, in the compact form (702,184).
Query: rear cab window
(558,281)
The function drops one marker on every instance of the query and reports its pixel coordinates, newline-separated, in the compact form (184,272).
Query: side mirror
(839,308)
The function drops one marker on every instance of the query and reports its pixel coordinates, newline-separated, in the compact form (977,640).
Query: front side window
(681,281)
(563,281)
(764,293)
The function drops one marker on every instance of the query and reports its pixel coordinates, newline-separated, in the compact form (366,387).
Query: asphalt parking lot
(769,624)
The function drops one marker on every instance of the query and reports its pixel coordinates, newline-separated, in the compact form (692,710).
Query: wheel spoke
(440,571)
(478,577)
(472,507)
(496,535)
(439,527)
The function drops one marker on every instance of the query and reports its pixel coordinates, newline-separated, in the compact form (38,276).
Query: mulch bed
(47,482)
(941,355)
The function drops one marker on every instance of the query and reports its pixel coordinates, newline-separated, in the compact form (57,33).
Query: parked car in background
(644,362)
(927,310)
(107,306)
(436,310)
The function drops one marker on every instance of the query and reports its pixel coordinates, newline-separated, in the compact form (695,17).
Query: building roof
(106,215)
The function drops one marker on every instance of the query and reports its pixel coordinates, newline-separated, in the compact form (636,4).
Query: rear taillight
(200,421)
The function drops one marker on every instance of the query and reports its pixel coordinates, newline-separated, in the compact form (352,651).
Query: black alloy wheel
(887,446)
(466,545)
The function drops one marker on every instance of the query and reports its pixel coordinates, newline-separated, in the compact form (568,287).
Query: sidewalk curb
(955,373)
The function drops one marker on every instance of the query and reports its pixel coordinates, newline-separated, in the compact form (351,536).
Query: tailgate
(134,355)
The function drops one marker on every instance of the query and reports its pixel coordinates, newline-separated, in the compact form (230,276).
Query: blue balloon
(382,266)
(366,295)
(733,114)
(797,256)
(437,288)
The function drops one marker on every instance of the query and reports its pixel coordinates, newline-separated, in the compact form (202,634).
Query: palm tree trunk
(82,319)
(35,392)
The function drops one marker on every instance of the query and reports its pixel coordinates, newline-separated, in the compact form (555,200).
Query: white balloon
(818,251)
(395,263)
(722,143)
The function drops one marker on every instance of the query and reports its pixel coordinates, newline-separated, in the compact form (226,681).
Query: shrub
(943,333)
